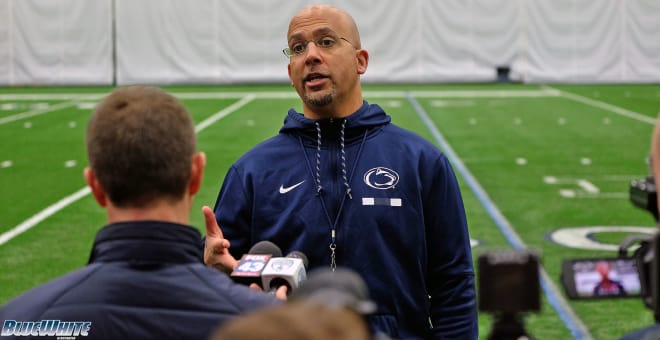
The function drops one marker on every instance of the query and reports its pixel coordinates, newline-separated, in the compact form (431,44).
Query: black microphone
(249,268)
(341,288)
(289,271)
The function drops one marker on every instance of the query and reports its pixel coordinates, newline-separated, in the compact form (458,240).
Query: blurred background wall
(106,42)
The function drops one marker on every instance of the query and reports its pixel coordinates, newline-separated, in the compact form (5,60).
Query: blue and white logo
(381,178)
(61,329)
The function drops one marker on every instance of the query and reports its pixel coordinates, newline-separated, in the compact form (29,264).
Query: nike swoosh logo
(284,190)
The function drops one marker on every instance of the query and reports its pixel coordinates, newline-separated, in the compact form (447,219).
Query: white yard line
(221,114)
(63,203)
(605,106)
(42,215)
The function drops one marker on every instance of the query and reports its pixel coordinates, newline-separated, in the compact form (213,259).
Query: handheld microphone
(286,271)
(249,268)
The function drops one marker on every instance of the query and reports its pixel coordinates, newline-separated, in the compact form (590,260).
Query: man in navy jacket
(345,186)
(145,278)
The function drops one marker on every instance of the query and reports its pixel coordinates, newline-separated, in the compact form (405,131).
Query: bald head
(332,16)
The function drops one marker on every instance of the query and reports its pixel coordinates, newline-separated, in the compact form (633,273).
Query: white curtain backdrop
(589,41)
(55,42)
(6,50)
(66,42)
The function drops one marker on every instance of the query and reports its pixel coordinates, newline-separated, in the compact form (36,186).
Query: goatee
(317,101)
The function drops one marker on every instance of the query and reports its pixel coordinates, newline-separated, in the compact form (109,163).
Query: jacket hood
(367,116)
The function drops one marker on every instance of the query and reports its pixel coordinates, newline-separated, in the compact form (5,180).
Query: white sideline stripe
(605,106)
(61,204)
(36,112)
(548,92)
(42,215)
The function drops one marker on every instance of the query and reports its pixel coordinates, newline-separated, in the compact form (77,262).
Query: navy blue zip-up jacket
(384,198)
(144,280)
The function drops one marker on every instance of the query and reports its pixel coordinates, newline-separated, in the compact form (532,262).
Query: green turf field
(531,160)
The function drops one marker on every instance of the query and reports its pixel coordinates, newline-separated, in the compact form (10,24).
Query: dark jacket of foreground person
(144,280)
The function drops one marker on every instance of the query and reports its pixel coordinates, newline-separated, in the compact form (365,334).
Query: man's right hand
(216,247)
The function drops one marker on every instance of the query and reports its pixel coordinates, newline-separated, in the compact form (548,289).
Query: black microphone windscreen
(300,255)
(266,248)
(342,287)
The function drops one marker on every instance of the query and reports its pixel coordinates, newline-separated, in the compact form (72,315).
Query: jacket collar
(147,243)
(366,117)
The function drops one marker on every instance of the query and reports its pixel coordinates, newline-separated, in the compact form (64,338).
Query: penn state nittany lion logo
(381,178)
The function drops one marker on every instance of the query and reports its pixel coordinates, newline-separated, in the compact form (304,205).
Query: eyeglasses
(324,42)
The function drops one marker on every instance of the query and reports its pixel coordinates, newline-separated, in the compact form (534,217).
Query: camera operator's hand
(216,247)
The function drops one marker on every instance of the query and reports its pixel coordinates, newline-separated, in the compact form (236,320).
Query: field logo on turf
(584,237)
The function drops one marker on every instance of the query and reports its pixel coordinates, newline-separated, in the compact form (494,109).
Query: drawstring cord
(343,159)
(342,145)
(345,178)
(319,188)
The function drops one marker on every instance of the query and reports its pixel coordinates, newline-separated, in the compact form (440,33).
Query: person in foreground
(145,277)
(345,186)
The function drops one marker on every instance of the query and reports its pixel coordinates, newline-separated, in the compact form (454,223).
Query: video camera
(509,287)
(627,275)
